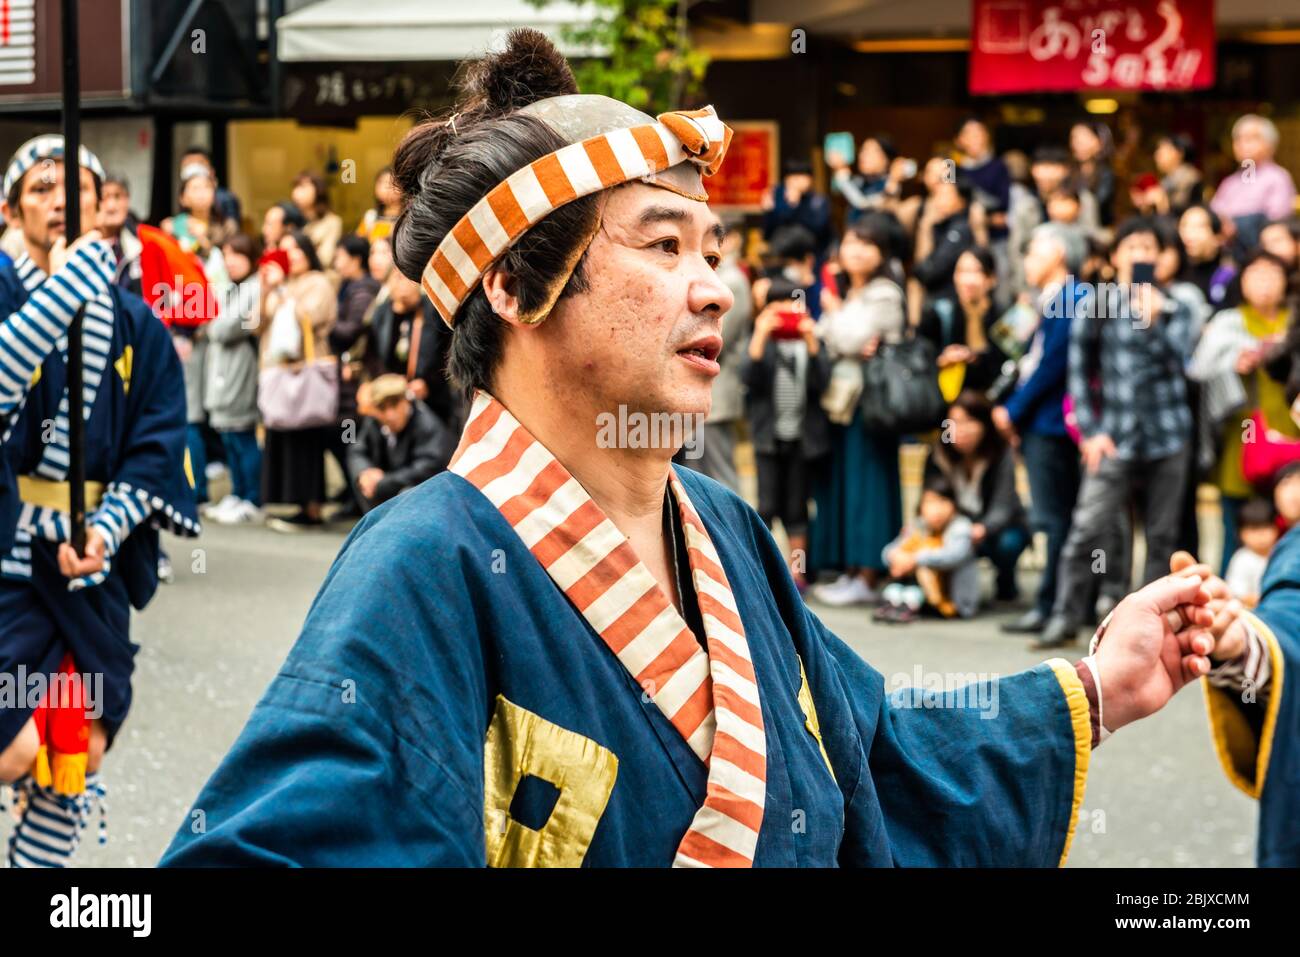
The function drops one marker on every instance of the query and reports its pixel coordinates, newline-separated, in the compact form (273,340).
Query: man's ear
(499,287)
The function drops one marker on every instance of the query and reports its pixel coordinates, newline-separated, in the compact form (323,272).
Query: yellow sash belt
(56,495)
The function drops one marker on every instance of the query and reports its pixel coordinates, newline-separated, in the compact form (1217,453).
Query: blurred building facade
(275,86)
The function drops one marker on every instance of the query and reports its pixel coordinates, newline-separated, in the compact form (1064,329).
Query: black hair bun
(529,69)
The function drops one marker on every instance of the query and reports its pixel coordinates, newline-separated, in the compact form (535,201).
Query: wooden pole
(72,220)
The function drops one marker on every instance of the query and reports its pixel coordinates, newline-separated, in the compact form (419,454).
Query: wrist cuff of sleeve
(1099,728)
(1088,678)
(109,532)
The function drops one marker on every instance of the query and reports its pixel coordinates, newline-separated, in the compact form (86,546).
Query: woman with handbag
(298,383)
(856,487)
(958,326)
(1238,398)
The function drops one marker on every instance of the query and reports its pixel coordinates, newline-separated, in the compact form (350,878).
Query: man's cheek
(625,313)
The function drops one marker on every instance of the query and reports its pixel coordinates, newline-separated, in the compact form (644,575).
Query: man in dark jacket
(795,202)
(408,338)
(1033,413)
(400,447)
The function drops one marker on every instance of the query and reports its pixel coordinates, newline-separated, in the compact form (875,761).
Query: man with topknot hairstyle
(567,651)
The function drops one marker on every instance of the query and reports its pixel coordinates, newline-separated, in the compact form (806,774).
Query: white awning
(378,30)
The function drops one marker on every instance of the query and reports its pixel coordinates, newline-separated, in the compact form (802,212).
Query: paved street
(211,642)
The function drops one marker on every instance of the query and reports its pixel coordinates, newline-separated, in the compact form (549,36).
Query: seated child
(1257,524)
(932,563)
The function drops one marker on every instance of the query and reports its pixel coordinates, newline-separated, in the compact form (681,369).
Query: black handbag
(900,389)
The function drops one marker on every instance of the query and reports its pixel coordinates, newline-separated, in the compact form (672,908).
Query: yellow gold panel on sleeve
(1243,752)
(521,743)
(1076,699)
(123,367)
(810,716)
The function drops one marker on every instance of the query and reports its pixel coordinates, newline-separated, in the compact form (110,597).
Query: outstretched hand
(1157,640)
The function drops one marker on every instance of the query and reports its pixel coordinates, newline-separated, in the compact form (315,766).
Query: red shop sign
(749,168)
(1057,46)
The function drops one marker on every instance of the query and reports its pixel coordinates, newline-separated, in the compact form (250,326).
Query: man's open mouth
(706,348)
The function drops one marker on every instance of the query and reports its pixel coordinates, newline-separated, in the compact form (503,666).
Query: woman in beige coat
(293,462)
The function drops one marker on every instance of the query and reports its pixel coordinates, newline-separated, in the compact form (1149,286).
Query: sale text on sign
(1048,46)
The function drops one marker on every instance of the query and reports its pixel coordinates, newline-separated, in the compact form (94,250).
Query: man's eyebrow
(654,215)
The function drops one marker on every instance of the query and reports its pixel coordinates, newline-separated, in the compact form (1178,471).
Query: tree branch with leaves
(645,54)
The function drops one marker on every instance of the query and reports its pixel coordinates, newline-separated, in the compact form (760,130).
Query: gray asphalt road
(212,641)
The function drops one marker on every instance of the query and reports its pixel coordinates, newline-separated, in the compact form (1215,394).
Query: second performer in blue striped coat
(53,602)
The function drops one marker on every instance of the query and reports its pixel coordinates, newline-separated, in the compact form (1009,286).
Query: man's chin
(691,399)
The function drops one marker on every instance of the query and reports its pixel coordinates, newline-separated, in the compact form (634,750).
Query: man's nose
(708,293)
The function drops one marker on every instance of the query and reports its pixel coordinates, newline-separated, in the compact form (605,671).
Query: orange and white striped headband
(529,195)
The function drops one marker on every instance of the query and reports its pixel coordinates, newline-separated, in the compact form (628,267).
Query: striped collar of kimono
(97,343)
(711,699)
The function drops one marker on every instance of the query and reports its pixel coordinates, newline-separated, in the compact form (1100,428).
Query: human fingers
(1166,594)
(1194,666)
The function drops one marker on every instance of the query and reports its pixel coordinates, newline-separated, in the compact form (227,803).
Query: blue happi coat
(1257,734)
(438,644)
(134,411)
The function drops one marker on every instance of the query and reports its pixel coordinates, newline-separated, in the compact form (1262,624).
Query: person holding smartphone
(877,183)
(1128,349)
(785,371)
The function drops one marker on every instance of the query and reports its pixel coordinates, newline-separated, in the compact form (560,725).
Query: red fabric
(277,256)
(173,281)
(1264,457)
(1045,46)
(68,727)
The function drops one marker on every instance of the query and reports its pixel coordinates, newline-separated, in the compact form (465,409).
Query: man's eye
(669,246)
